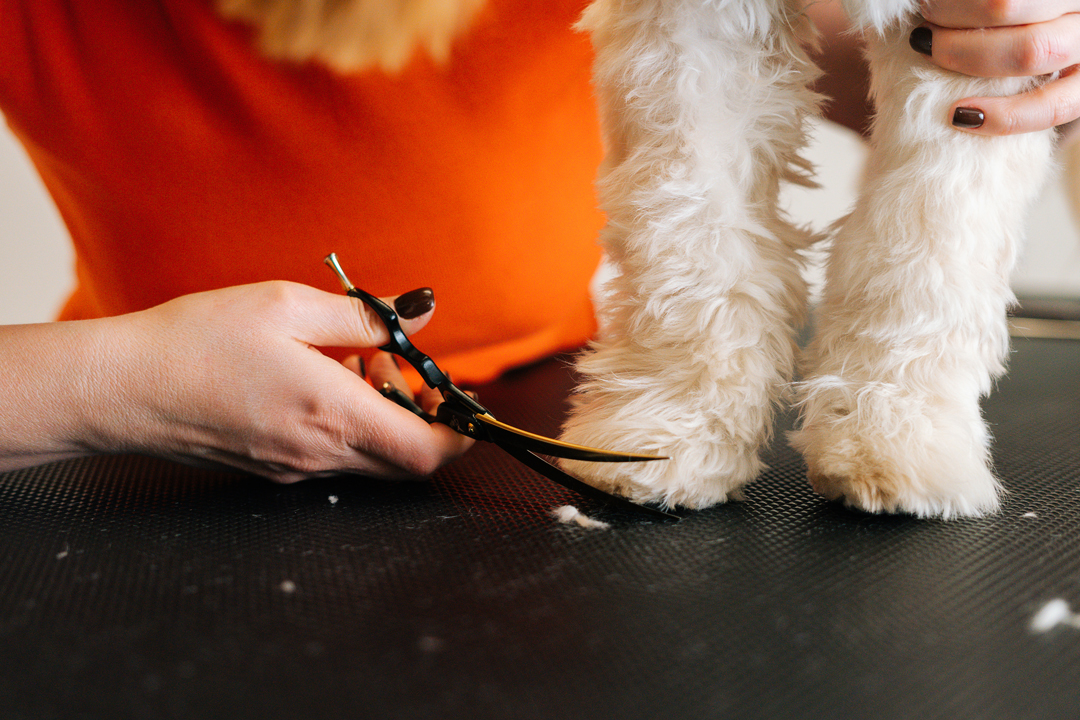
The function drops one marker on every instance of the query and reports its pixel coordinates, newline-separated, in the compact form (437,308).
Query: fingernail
(415,303)
(968,118)
(363,368)
(922,40)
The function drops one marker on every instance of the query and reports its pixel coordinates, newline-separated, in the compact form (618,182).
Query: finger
(429,399)
(383,368)
(356,364)
(402,441)
(439,446)
(1047,106)
(994,13)
(1015,51)
(330,320)
(361,432)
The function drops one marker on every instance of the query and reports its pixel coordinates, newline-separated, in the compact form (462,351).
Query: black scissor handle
(399,343)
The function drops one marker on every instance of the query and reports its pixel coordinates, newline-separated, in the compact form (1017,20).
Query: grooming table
(136,588)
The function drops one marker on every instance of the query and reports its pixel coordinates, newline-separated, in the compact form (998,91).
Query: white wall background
(36,269)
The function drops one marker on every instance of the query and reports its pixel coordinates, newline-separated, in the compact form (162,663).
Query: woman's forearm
(230,377)
(52,386)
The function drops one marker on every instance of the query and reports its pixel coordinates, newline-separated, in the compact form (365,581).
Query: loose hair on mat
(351,35)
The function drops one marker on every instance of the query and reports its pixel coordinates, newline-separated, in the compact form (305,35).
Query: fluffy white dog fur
(704,104)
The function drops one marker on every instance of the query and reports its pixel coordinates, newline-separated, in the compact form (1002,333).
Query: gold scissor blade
(557,448)
(542,466)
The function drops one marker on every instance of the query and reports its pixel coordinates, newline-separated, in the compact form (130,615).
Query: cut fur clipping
(570,515)
(352,35)
(1054,613)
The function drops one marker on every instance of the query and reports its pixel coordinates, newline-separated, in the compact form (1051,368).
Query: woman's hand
(229,377)
(1016,38)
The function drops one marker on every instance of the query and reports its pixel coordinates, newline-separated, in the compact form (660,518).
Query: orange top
(183,161)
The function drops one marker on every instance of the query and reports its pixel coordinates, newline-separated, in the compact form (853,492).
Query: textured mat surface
(135,588)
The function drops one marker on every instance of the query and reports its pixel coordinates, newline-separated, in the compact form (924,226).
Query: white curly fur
(703,104)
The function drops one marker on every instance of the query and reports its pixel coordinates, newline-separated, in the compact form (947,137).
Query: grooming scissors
(463,414)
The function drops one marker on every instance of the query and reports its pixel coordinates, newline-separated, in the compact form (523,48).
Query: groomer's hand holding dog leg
(1019,39)
(229,377)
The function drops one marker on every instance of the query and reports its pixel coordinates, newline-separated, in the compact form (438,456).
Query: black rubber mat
(135,588)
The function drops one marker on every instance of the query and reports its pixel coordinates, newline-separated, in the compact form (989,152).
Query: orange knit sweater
(182,161)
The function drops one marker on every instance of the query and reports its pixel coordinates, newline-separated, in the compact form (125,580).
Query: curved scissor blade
(581,487)
(510,435)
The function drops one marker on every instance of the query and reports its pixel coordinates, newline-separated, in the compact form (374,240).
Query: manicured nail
(922,40)
(415,303)
(968,118)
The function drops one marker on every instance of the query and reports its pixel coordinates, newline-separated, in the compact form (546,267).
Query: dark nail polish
(968,118)
(922,40)
(415,303)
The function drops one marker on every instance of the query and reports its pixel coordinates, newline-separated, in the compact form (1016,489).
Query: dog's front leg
(912,329)
(703,105)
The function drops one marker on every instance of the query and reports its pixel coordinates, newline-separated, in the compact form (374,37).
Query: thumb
(326,319)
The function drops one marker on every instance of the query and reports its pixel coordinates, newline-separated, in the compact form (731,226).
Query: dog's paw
(876,448)
(708,460)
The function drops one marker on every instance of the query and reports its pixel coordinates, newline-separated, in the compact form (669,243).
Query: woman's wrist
(56,391)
